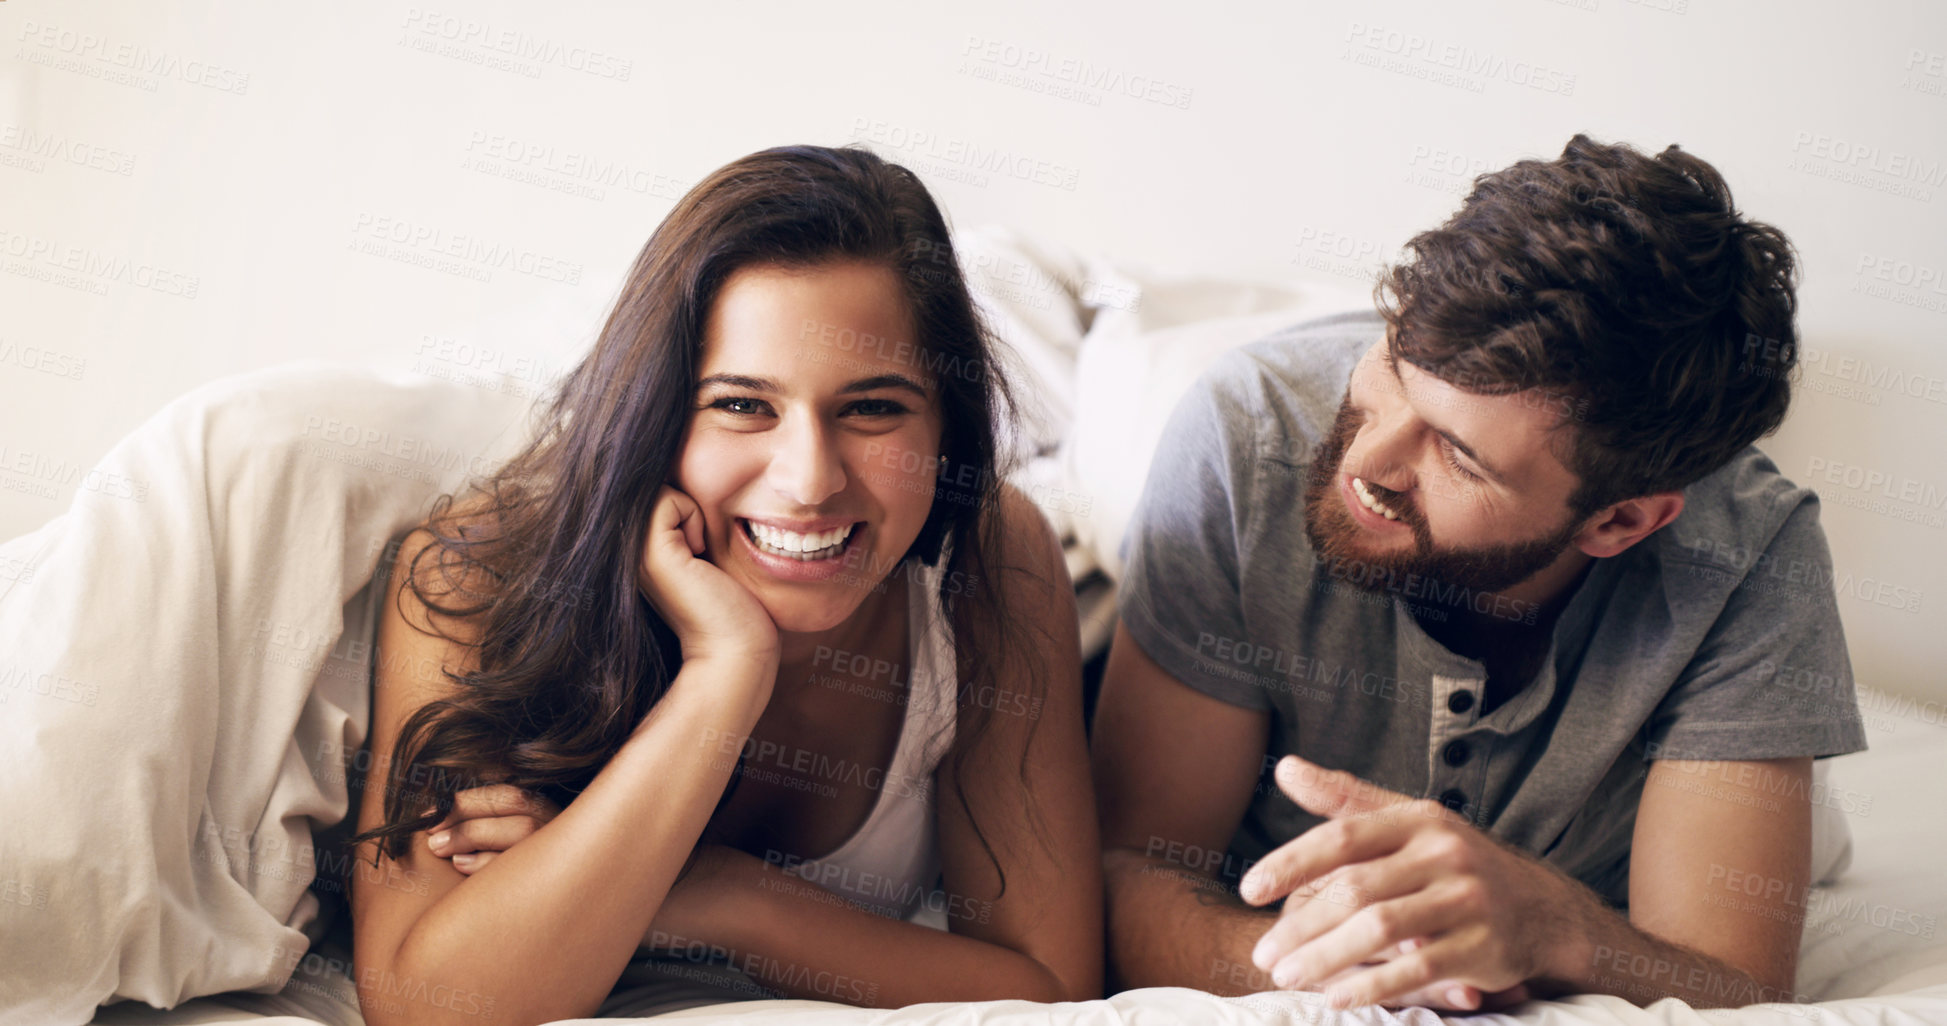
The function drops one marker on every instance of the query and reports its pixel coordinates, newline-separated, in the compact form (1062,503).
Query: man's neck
(1511,637)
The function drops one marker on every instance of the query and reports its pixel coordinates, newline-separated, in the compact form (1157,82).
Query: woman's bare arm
(544,931)
(1041,941)
(1052,908)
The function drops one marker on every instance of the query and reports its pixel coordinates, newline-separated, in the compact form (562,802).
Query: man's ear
(1616,528)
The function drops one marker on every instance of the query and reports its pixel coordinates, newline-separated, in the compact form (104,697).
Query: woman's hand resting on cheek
(714,617)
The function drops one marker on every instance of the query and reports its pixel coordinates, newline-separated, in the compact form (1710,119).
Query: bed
(226,766)
(1872,952)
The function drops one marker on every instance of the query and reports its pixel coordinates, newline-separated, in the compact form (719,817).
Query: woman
(756,614)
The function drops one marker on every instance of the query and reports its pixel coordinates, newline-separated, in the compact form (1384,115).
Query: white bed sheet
(1873,951)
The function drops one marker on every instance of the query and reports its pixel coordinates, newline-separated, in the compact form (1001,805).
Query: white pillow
(1129,384)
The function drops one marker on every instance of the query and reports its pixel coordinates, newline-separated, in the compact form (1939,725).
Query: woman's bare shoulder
(436,587)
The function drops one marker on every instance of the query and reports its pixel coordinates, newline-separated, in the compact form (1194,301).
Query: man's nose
(1382,454)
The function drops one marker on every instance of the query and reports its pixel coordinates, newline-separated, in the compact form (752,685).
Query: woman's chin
(812,618)
(809,610)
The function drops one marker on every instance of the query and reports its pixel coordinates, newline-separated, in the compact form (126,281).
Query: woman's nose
(806,467)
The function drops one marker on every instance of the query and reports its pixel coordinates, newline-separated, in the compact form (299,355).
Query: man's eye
(740,405)
(878,408)
(1453,460)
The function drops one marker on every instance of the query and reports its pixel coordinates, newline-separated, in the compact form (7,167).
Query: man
(1453,633)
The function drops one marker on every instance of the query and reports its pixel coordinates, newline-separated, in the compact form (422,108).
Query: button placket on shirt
(1453,760)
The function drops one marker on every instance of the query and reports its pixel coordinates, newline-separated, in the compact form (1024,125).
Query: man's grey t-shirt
(1715,638)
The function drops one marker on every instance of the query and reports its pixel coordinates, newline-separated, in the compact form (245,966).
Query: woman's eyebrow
(884,381)
(741,381)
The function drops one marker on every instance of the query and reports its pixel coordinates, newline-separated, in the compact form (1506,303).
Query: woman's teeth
(1365,496)
(802,547)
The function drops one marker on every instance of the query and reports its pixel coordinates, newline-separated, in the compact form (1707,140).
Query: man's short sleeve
(1772,679)
(1180,596)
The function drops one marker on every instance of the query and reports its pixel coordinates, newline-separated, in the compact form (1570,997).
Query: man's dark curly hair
(1626,285)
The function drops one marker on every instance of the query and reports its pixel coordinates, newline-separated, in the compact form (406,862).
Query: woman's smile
(802,551)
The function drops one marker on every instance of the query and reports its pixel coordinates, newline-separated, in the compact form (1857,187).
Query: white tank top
(892,862)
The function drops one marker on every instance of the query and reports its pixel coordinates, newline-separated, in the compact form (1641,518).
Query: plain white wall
(252,153)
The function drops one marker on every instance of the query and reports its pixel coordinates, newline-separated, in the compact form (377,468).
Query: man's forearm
(1172,927)
(1613,956)
(1604,953)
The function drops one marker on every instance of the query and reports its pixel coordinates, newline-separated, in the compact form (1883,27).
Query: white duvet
(183,673)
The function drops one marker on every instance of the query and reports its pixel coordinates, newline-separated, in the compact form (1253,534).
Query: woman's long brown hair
(571,656)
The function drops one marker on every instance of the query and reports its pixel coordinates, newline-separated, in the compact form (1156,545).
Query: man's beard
(1456,571)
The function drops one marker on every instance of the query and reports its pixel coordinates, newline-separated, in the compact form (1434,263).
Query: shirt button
(1455,753)
(1460,701)
(1455,799)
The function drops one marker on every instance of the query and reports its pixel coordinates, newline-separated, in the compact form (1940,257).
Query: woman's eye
(739,405)
(878,408)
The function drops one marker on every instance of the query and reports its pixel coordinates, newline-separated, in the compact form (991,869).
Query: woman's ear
(1613,530)
(932,535)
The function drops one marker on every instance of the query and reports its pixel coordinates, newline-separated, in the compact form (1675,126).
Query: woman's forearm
(803,940)
(547,927)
